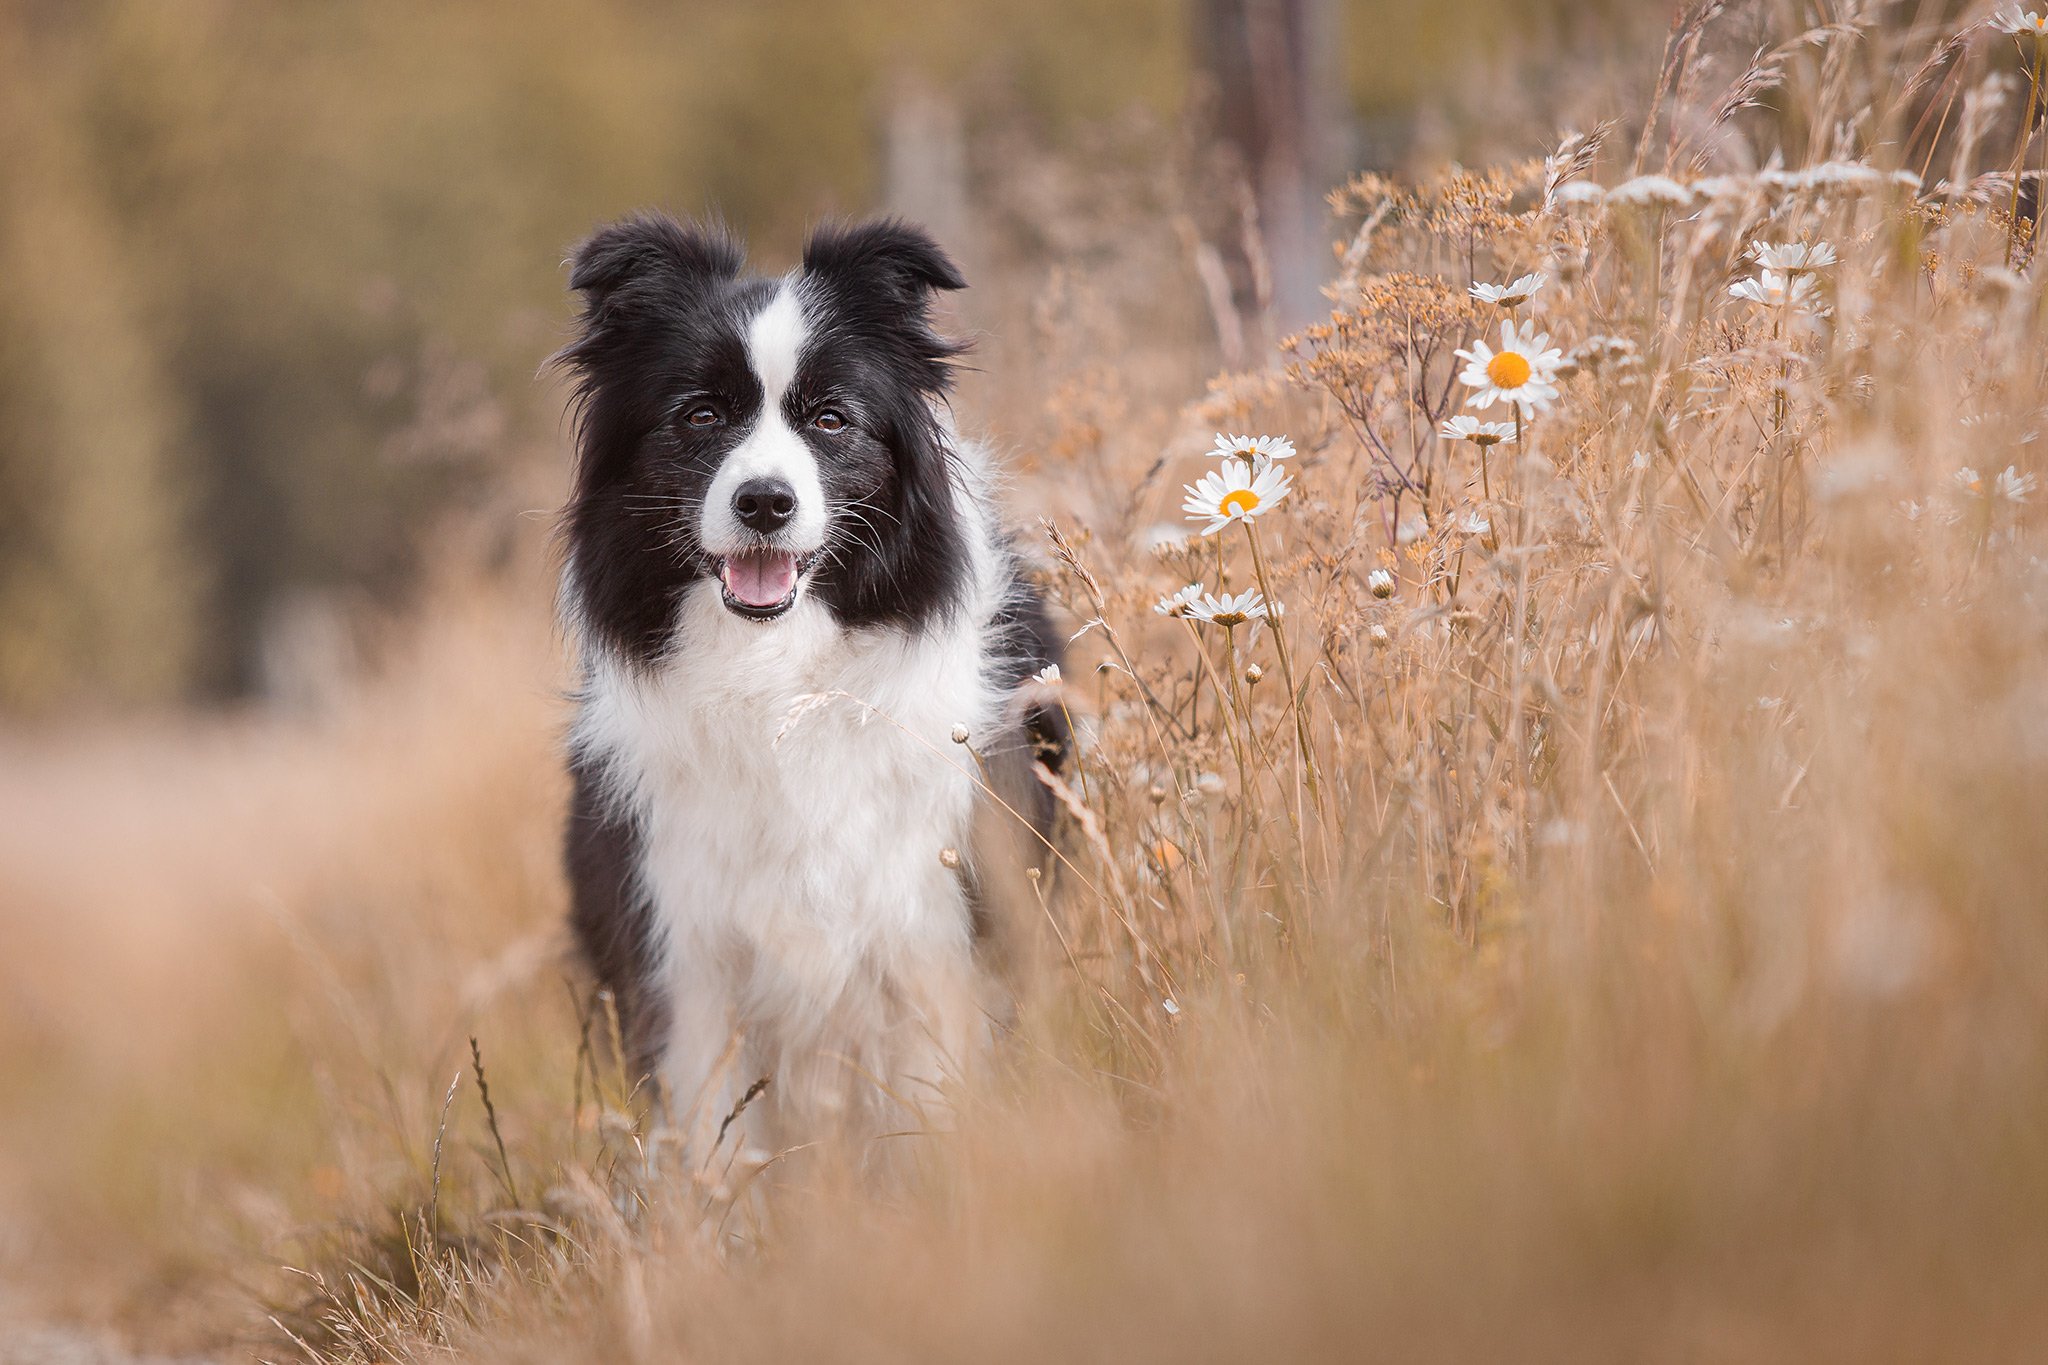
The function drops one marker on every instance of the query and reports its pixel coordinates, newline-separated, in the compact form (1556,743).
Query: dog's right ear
(635,276)
(649,258)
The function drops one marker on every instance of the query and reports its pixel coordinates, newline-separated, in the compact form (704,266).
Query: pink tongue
(760,578)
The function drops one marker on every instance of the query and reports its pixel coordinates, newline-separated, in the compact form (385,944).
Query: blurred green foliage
(275,278)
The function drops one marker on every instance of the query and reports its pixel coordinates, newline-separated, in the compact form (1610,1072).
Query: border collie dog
(787,585)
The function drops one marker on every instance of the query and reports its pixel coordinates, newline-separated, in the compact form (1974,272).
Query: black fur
(611,918)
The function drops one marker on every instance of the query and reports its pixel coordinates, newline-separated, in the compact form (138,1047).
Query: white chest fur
(807,926)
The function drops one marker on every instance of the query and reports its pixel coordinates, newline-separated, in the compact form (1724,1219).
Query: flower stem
(1492,531)
(1273,618)
(1225,695)
(2019,152)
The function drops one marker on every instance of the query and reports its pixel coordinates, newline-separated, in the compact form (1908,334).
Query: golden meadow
(1599,918)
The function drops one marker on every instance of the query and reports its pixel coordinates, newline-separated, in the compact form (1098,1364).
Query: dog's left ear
(881,277)
(887,255)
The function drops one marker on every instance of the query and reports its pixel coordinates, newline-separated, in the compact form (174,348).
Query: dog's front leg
(700,1066)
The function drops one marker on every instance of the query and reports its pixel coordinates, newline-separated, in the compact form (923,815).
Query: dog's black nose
(764,505)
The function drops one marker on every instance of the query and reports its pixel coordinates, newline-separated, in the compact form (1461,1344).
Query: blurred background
(276,281)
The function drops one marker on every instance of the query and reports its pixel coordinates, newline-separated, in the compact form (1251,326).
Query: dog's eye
(704,416)
(829,420)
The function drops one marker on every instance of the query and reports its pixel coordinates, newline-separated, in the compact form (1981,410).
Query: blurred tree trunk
(924,178)
(1274,65)
(925,170)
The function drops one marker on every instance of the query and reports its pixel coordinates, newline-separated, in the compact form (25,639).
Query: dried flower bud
(1159,793)
(1209,784)
(949,858)
(1252,674)
(1381,582)
(959,734)
(1379,637)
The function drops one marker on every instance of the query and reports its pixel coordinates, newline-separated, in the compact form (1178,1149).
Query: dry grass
(1653,970)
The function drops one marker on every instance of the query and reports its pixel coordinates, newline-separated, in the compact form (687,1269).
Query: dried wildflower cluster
(1554,437)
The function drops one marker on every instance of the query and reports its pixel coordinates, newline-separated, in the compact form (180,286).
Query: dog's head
(779,436)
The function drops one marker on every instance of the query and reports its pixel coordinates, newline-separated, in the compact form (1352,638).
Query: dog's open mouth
(762,584)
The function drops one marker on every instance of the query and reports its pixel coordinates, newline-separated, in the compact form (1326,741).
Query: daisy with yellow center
(2011,486)
(2017,21)
(1258,451)
(1521,372)
(1481,434)
(1773,290)
(1234,493)
(1511,295)
(1228,610)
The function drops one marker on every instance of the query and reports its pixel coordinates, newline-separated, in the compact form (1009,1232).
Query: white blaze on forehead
(772,450)
(775,341)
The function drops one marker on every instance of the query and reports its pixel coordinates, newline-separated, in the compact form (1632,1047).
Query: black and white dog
(788,587)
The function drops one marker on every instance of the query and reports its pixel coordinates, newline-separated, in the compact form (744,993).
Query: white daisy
(1380,583)
(1234,493)
(1259,450)
(1520,372)
(1770,289)
(1472,524)
(1229,610)
(1968,480)
(1511,295)
(1793,258)
(1177,603)
(1479,433)
(2014,486)
(1575,193)
(1049,676)
(2016,21)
